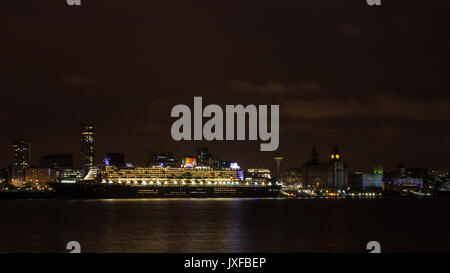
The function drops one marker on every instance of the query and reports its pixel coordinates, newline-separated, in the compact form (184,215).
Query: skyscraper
(87,146)
(20,161)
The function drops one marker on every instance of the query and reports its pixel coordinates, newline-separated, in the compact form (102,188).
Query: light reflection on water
(224,225)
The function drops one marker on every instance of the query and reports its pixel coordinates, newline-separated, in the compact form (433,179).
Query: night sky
(373,80)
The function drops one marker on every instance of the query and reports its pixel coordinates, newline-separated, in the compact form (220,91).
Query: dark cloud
(272,87)
(384,105)
(79,80)
(152,128)
(350,30)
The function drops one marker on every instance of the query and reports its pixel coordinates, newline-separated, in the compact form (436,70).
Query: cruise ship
(165,182)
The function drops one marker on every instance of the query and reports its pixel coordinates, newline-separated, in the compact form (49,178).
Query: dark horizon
(371,80)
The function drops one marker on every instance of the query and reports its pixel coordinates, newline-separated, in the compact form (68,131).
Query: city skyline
(87,152)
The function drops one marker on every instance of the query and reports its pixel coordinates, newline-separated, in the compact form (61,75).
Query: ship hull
(96,190)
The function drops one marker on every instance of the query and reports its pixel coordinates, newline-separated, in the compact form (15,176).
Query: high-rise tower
(20,161)
(87,146)
(278,159)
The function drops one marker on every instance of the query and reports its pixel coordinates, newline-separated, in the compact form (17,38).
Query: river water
(226,225)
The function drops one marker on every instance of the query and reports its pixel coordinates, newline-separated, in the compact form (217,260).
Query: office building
(36,177)
(87,146)
(203,156)
(20,161)
(56,161)
(360,181)
(69,175)
(162,159)
(314,174)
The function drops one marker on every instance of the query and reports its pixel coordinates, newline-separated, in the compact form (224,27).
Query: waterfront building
(360,181)
(203,156)
(409,178)
(36,177)
(378,169)
(337,171)
(87,146)
(292,178)
(69,175)
(56,161)
(219,163)
(439,180)
(164,159)
(258,176)
(331,174)
(20,161)
(314,172)
(408,182)
(4,176)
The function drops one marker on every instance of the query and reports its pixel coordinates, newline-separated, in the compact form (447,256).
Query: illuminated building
(409,177)
(378,170)
(264,173)
(20,162)
(278,159)
(219,164)
(115,159)
(56,161)
(234,166)
(87,146)
(337,171)
(292,178)
(166,159)
(3,176)
(189,162)
(364,181)
(259,176)
(69,175)
(331,174)
(203,156)
(439,180)
(39,176)
(408,182)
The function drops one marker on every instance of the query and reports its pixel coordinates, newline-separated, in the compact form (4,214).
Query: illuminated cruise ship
(165,182)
